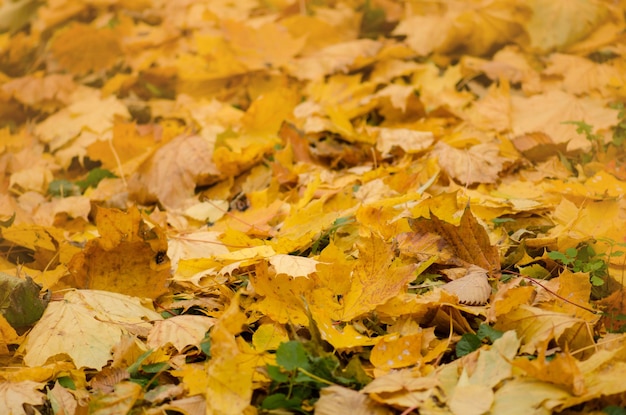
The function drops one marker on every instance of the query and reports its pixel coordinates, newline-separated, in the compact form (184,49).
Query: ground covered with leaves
(278,206)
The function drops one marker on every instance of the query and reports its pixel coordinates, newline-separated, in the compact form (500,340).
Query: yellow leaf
(256,47)
(562,369)
(282,296)
(124,152)
(269,337)
(375,279)
(120,401)
(560,23)
(534,325)
(397,351)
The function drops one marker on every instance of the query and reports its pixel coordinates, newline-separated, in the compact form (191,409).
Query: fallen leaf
(335,399)
(129,257)
(481,163)
(13,396)
(473,288)
(84,327)
(179,331)
(469,241)
(174,170)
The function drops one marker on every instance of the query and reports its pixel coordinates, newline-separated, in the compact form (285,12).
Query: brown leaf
(469,241)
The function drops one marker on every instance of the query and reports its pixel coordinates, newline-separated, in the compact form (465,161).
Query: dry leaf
(172,173)
(481,163)
(469,241)
(471,289)
(335,399)
(130,256)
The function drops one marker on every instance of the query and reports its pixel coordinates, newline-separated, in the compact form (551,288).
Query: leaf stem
(315,377)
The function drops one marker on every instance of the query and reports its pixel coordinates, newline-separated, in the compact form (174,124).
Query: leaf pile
(281,206)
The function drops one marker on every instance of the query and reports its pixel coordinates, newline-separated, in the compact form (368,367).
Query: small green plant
(65,188)
(585,259)
(470,341)
(300,374)
(599,146)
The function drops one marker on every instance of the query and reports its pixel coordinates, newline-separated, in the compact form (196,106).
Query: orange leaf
(83,48)
(129,257)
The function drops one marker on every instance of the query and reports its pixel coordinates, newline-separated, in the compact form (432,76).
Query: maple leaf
(469,241)
(91,320)
(561,23)
(481,163)
(13,396)
(129,257)
(82,48)
(173,171)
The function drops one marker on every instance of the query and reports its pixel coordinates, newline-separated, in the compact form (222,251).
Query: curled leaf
(473,288)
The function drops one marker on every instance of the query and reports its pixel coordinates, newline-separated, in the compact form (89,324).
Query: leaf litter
(271,207)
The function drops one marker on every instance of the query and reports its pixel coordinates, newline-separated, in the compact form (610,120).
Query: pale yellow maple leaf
(181,331)
(190,245)
(508,63)
(411,141)
(13,396)
(406,388)
(294,266)
(424,34)
(337,58)
(473,288)
(335,399)
(582,76)
(523,396)
(39,91)
(84,326)
(558,24)
(88,111)
(558,107)
(535,325)
(469,399)
(481,163)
